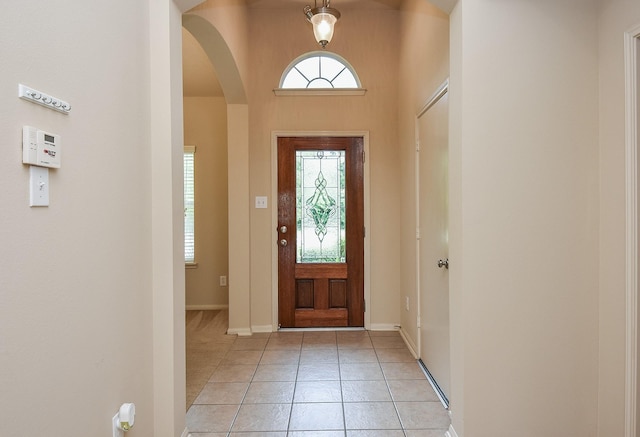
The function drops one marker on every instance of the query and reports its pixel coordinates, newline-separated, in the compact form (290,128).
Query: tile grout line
(386,382)
(344,413)
(295,385)
(235,416)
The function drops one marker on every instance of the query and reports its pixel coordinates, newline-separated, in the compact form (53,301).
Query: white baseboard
(383,327)
(261,328)
(451,432)
(185,433)
(205,307)
(412,347)
(240,332)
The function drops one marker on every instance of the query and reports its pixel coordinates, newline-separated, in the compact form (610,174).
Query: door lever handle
(443,263)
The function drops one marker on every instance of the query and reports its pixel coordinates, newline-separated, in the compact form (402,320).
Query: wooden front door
(320,231)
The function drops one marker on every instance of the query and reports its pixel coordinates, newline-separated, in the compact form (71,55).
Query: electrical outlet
(117,431)
(406,303)
(223,281)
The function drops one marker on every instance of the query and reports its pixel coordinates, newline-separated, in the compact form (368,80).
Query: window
(319,72)
(189,204)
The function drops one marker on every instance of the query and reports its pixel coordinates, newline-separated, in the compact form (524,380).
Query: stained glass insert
(320,206)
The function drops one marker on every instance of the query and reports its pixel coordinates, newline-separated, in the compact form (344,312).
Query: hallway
(312,383)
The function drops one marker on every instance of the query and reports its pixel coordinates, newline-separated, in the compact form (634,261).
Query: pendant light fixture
(323,19)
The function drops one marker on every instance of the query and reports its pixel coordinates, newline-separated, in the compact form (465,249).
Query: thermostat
(41,148)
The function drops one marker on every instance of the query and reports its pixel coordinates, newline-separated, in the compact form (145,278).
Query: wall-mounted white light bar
(35,96)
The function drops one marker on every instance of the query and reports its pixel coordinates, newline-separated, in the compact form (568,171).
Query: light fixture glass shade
(323,24)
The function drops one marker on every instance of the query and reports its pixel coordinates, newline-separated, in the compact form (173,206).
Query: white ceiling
(199,77)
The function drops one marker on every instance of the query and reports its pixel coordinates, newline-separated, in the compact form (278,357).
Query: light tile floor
(317,384)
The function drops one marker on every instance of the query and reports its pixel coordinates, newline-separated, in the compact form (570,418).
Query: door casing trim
(274,216)
(631,43)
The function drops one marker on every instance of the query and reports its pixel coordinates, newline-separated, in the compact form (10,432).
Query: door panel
(320,231)
(433,243)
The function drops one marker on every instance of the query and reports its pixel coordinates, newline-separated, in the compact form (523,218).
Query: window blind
(189,204)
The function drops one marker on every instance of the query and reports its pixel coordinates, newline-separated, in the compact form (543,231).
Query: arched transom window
(320,70)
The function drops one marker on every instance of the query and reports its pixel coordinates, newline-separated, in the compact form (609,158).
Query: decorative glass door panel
(320,232)
(320,206)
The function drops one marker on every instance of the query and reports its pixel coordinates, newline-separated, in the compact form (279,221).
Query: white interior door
(433,244)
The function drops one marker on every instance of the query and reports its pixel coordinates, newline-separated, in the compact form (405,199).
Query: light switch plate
(38,186)
(261,202)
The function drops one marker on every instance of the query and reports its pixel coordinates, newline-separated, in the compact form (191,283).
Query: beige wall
(92,287)
(616,17)
(167,216)
(272,49)
(205,126)
(423,66)
(221,29)
(94,319)
(375,112)
(76,277)
(457,306)
(525,117)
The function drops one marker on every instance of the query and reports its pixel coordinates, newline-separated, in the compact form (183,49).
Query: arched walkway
(230,79)
(220,56)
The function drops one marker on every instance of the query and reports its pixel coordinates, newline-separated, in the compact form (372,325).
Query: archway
(220,56)
(219,53)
